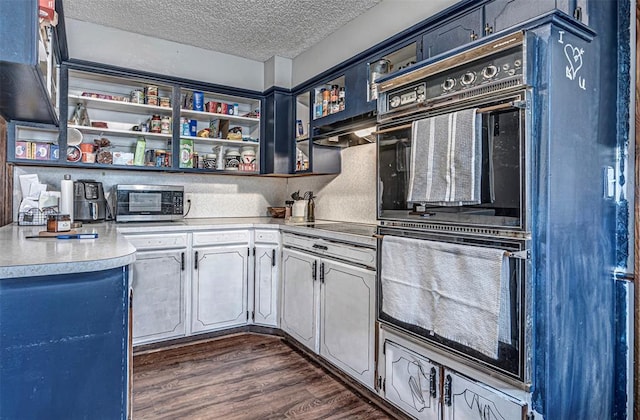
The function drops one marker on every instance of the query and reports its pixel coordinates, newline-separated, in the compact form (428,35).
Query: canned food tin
(151,90)
(165,102)
(152,100)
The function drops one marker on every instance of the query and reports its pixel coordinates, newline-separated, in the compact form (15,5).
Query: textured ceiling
(254,29)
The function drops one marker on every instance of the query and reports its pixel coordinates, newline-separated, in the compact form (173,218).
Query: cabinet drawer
(351,253)
(172,240)
(221,237)
(267,236)
(328,248)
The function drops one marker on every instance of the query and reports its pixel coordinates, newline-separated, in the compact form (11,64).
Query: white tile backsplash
(349,196)
(210,195)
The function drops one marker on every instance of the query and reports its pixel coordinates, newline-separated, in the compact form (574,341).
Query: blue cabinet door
(452,34)
(503,14)
(64,346)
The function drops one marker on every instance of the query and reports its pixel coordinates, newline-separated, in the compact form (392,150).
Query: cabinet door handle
(447,391)
(182,261)
(488,29)
(473,36)
(313,270)
(321,272)
(273,257)
(322,247)
(195,264)
(432,383)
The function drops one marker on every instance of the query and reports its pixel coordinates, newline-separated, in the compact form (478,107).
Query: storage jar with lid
(210,161)
(156,124)
(232,160)
(248,158)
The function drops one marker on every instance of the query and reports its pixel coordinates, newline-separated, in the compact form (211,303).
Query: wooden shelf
(238,143)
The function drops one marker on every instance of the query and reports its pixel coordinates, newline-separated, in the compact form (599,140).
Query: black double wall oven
(453,188)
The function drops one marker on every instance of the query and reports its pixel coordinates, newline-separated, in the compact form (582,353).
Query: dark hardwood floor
(246,376)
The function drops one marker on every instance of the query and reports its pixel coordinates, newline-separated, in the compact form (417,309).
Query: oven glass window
(501,186)
(145,202)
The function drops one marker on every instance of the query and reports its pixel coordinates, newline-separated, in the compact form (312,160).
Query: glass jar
(165,125)
(59,223)
(156,124)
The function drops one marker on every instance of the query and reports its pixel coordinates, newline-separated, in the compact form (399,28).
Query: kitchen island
(64,323)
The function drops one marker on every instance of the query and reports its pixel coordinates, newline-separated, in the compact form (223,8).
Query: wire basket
(35,217)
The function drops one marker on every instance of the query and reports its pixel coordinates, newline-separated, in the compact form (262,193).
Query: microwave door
(145,203)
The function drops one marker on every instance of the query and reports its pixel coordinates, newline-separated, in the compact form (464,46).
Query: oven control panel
(479,72)
(409,95)
(501,67)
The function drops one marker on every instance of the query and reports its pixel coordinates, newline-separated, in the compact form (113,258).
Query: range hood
(346,133)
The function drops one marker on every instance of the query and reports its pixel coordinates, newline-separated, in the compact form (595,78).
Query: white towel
(459,292)
(446,160)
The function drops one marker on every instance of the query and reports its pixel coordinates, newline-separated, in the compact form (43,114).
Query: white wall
(278,72)
(380,22)
(140,52)
(349,196)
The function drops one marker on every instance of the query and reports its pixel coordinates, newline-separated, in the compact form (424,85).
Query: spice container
(59,223)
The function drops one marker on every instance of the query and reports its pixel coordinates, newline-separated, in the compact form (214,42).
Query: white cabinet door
(465,399)
(219,287)
(265,305)
(158,283)
(412,382)
(299,297)
(347,311)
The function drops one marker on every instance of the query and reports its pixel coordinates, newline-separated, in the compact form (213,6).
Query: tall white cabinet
(265,290)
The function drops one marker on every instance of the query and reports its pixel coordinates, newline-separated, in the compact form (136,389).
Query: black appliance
(491,78)
(148,203)
(89,204)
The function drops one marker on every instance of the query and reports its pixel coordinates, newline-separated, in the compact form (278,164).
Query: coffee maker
(89,204)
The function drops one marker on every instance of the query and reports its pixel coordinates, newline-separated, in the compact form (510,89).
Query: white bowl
(74,136)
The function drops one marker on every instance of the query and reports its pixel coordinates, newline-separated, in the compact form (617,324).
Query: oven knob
(448,84)
(511,72)
(517,63)
(395,101)
(420,89)
(468,78)
(421,97)
(505,66)
(489,72)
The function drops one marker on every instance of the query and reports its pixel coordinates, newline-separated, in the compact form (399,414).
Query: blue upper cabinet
(29,56)
(452,34)
(492,17)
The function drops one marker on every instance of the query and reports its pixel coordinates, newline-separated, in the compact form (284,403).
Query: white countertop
(22,257)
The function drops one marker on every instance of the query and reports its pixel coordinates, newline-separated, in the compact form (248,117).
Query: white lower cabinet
(347,310)
(299,295)
(329,306)
(265,279)
(425,389)
(158,281)
(201,281)
(219,280)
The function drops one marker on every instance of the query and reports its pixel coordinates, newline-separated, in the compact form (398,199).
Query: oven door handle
(525,254)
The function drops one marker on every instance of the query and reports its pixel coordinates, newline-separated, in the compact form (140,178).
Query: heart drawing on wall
(574,57)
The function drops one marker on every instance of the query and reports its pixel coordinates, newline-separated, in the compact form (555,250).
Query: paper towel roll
(66,196)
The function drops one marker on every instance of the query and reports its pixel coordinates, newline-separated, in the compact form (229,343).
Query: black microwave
(148,203)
